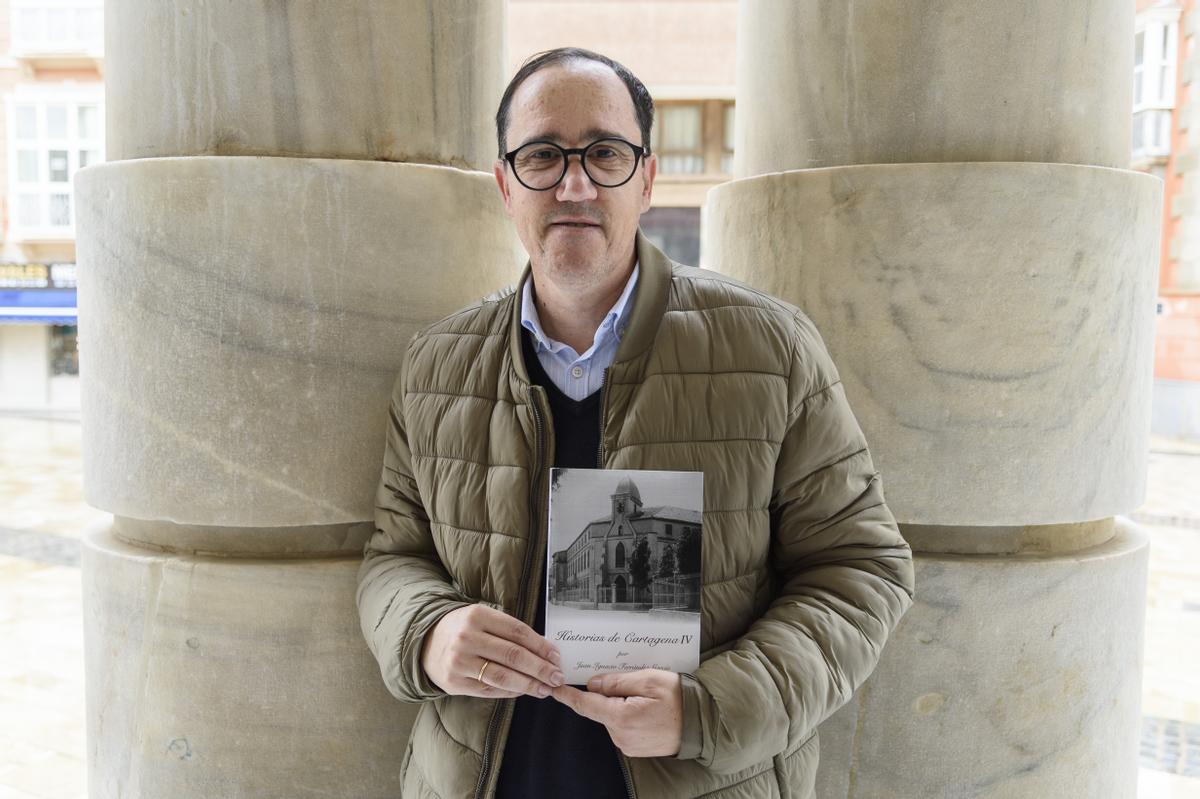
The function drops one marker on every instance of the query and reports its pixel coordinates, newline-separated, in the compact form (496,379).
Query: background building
(52,125)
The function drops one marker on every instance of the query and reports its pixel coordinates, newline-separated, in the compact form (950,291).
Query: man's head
(572,97)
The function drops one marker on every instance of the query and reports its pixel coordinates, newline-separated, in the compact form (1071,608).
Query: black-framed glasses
(608,162)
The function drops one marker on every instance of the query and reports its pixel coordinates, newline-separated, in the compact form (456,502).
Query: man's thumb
(617,684)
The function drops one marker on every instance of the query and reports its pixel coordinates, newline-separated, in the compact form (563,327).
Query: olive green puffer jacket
(804,571)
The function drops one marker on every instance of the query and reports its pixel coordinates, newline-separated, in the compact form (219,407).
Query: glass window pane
(60,210)
(681,127)
(675,231)
(29,210)
(27,166)
(58,166)
(1166,30)
(58,25)
(1138,47)
(88,117)
(56,122)
(729,127)
(1137,88)
(29,24)
(1164,87)
(26,122)
(87,157)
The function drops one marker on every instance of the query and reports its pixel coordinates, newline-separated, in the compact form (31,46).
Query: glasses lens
(610,162)
(538,165)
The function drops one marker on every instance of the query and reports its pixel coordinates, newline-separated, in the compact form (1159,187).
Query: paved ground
(42,515)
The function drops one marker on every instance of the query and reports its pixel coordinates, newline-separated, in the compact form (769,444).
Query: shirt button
(576,371)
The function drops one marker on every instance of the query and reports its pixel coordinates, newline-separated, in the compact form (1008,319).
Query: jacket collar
(649,304)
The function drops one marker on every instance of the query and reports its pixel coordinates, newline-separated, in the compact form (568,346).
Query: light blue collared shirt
(577,375)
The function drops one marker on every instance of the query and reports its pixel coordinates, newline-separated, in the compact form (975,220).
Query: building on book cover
(623,588)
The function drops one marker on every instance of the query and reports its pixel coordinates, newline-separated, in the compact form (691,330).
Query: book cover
(623,575)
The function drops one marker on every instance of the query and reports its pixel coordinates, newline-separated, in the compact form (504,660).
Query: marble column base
(220,677)
(1011,676)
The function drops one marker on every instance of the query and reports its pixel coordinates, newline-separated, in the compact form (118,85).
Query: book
(623,570)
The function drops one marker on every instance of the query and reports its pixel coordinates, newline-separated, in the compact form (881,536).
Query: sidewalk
(42,515)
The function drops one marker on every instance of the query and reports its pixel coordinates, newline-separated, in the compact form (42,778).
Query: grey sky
(583,495)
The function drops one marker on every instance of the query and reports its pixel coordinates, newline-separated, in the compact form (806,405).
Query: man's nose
(576,185)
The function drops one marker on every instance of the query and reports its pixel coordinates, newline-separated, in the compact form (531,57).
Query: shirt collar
(616,318)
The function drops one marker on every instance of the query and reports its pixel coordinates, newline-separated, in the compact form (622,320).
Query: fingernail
(543,691)
(556,658)
(556,678)
(594,684)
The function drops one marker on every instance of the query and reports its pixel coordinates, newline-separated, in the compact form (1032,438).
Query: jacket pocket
(797,770)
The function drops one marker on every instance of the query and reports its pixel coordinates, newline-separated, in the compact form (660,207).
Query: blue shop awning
(38,306)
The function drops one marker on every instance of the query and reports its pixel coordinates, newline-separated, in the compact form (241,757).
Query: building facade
(1165,143)
(53,125)
(598,565)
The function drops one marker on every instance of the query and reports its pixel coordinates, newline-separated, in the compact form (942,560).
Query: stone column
(938,187)
(292,190)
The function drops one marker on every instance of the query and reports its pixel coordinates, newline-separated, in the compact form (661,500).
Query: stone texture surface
(245,318)
(232,678)
(391,80)
(827,84)
(992,323)
(1009,677)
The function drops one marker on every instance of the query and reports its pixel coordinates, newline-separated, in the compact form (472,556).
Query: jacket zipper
(539,464)
(600,465)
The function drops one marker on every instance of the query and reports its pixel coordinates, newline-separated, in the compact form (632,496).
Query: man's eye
(543,154)
(602,152)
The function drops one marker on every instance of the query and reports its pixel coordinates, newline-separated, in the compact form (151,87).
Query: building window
(64,350)
(53,137)
(675,231)
(678,139)
(57,26)
(1155,47)
(620,556)
(727,140)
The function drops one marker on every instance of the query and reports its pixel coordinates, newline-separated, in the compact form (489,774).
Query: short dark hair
(643,105)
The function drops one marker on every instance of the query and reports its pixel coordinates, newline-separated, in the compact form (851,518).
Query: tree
(666,566)
(689,551)
(639,566)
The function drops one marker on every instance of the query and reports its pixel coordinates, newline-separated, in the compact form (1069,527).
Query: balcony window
(727,140)
(54,137)
(57,27)
(1155,45)
(678,139)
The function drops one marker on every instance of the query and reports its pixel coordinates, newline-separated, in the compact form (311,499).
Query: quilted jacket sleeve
(403,588)
(844,575)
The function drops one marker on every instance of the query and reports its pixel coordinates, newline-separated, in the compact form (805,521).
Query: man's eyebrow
(591,134)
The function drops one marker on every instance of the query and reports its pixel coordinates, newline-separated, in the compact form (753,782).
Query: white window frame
(1151,24)
(676,163)
(25,43)
(72,96)
(1158,73)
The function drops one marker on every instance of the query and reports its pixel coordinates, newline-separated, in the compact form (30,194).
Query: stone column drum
(937,186)
(293,190)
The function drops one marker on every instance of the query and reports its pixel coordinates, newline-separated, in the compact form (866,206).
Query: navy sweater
(552,751)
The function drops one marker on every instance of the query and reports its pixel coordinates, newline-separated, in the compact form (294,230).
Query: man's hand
(642,710)
(522,662)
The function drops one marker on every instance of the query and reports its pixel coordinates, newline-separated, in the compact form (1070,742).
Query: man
(608,354)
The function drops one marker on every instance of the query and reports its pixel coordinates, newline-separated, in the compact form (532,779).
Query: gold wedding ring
(483,668)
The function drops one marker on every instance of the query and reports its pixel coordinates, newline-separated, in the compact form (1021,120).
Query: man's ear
(502,181)
(649,170)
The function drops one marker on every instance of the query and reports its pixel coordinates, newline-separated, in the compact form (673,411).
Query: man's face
(573,104)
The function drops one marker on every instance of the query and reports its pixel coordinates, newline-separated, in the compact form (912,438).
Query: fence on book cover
(681,592)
